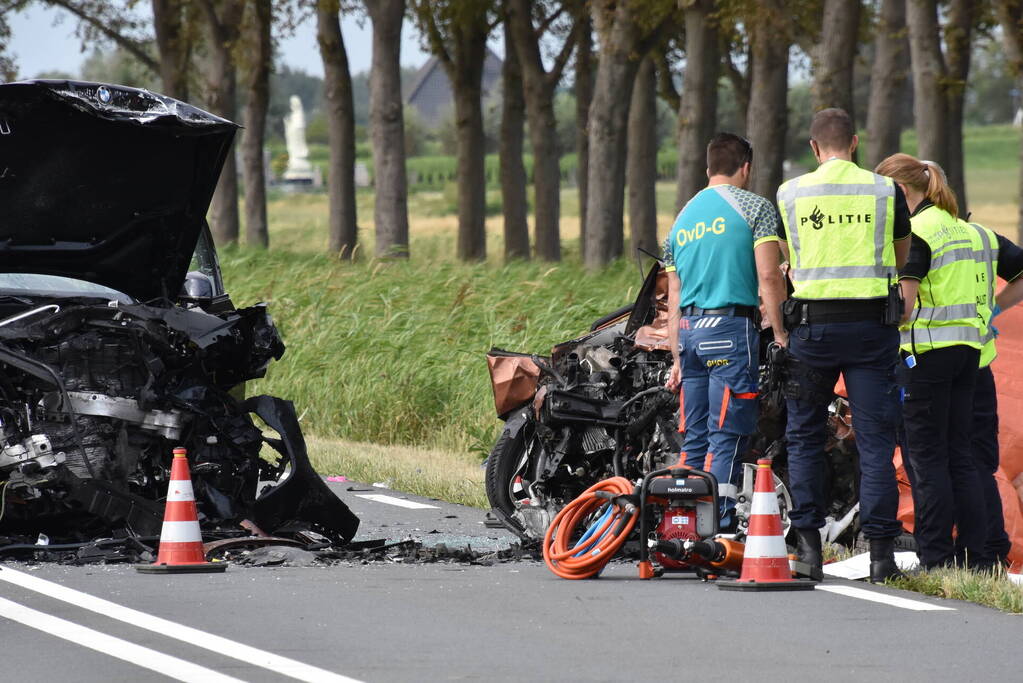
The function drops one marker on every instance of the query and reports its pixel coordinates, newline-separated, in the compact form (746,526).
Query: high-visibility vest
(839,223)
(986,260)
(947,311)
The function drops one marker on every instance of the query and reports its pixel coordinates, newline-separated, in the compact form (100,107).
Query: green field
(393,353)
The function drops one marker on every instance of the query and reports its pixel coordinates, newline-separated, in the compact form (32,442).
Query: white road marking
(186,634)
(391,500)
(885,598)
(109,645)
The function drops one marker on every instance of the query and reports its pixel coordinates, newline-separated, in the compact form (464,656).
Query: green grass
(984,588)
(453,477)
(394,352)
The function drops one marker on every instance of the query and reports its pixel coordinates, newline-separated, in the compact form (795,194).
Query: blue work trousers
(720,358)
(865,353)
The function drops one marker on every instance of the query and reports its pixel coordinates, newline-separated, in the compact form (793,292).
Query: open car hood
(105,183)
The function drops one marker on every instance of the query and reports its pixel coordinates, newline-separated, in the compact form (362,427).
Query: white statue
(299,167)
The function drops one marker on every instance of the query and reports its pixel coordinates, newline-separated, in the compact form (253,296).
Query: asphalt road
(510,621)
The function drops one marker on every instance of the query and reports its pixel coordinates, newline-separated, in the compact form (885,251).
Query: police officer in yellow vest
(948,284)
(846,230)
(1007,263)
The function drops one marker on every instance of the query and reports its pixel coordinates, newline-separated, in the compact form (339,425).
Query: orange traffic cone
(180,539)
(765,564)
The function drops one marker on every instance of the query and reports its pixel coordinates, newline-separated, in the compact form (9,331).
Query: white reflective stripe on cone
(765,504)
(765,546)
(180,491)
(181,532)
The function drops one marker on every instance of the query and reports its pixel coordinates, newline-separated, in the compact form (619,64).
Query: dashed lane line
(138,655)
(885,598)
(186,634)
(399,502)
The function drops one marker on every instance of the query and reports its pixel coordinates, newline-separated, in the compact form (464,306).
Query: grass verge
(431,473)
(988,589)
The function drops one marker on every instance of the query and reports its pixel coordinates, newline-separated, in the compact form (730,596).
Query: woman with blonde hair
(947,284)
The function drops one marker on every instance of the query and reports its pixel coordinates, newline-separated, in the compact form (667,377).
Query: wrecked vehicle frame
(117,340)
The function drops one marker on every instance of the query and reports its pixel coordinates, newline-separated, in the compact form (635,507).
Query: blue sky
(38,45)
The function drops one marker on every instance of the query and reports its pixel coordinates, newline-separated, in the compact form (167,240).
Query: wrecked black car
(117,339)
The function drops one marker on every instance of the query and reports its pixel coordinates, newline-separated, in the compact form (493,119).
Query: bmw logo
(104,94)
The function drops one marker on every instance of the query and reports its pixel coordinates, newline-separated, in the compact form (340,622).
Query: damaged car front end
(117,341)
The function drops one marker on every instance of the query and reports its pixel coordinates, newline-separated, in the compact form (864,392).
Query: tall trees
(256,73)
(538,86)
(625,31)
(583,96)
(767,121)
(887,81)
(513,170)
(962,16)
(641,166)
(697,111)
(339,109)
(833,55)
(223,20)
(173,30)
(1010,18)
(390,213)
(456,31)
(938,88)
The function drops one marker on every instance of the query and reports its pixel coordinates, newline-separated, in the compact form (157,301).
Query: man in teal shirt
(721,261)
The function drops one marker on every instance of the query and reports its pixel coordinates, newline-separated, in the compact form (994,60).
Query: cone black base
(204,568)
(793,585)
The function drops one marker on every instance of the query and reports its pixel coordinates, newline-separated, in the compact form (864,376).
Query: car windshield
(57,286)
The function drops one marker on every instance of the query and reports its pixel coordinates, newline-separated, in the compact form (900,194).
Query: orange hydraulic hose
(558,552)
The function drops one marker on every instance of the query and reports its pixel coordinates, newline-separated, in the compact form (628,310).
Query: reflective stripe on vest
(948,311)
(987,258)
(928,338)
(840,280)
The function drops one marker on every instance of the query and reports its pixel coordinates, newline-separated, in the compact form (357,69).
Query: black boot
(882,560)
(808,550)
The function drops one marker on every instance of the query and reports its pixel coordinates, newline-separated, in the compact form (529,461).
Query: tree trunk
(257,83)
(740,86)
(466,74)
(962,15)
(609,116)
(930,107)
(174,46)
(513,170)
(834,56)
(387,127)
(767,121)
(339,108)
(887,82)
(1010,18)
(641,172)
(538,88)
(583,97)
(697,114)
(223,30)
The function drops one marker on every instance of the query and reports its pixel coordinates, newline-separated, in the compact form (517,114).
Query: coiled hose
(588,556)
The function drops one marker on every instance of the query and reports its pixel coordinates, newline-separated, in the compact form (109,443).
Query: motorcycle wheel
(506,459)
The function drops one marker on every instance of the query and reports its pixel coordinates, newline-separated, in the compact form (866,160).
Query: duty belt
(736,311)
(842,310)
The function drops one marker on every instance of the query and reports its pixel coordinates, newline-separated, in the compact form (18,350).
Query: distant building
(430,92)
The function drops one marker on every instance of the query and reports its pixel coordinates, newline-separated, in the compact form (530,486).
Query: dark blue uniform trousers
(947,489)
(984,447)
(866,354)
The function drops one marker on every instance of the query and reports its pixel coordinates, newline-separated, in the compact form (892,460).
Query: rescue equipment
(678,512)
(180,539)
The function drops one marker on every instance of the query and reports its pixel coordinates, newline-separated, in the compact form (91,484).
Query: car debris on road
(118,340)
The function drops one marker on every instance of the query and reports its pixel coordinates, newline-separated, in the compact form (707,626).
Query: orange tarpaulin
(1008,369)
